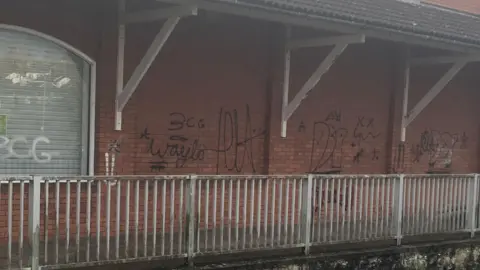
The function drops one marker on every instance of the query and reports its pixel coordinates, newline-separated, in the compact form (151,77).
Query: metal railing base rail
(95,220)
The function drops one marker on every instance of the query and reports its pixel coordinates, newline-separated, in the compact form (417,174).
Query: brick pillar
(287,155)
(274,94)
(107,139)
(399,154)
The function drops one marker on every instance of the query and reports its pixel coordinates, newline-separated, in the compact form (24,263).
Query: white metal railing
(353,208)
(435,204)
(126,218)
(14,207)
(81,221)
(240,213)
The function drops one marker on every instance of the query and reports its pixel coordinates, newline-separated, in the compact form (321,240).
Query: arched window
(45,112)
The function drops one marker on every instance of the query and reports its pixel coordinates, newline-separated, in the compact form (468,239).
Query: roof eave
(331,23)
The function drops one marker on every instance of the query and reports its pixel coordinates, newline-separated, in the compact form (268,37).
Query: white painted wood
(406,88)
(286,82)
(314,79)
(147,60)
(434,91)
(120,61)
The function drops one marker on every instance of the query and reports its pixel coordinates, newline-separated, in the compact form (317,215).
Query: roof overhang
(426,35)
(285,16)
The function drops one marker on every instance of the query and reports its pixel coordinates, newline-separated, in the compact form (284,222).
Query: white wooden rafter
(339,44)
(458,62)
(172,16)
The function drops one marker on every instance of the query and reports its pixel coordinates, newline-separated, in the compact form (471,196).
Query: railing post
(307,212)
(190,218)
(472,201)
(34,220)
(398,196)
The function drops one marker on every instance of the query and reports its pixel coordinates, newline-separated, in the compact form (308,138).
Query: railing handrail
(210,176)
(214,176)
(308,199)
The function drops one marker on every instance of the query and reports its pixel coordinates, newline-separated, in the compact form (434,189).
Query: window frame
(88,92)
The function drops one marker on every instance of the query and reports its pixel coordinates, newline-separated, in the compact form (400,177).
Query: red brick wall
(194,108)
(449,120)
(336,128)
(471,6)
(211,102)
(214,107)
(204,109)
(74,29)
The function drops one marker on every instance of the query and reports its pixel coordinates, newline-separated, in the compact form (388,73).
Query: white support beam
(406,89)
(340,44)
(173,16)
(325,41)
(120,61)
(147,60)
(286,82)
(434,91)
(160,14)
(458,61)
(443,60)
(314,79)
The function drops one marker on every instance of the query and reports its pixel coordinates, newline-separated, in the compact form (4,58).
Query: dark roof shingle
(393,15)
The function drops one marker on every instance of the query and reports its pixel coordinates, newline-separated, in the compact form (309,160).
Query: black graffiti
(463,141)
(335,115)
(235,149)
(158,166)
(399,158)
(179,121)
(438,146)
(417,153)
(329,137)
(114,146)
(358,155)
(362,152)
(235,141)
(364,130)
(331,152)
(145,134)
(364,133)
(178,147)
(375,154)
(301,127)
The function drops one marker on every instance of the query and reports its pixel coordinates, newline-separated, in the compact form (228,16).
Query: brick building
(237,87)
(462,5)
(211,102)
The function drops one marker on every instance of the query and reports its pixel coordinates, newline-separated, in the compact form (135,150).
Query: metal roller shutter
(43,113)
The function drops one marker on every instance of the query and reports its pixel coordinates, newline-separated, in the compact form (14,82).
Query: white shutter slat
(41,93)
